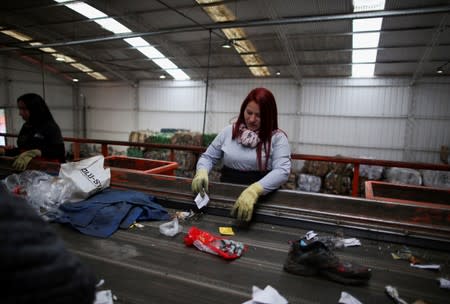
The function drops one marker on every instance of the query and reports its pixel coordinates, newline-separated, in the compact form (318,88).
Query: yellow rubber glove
(243,208)
(200,182)
(24,159)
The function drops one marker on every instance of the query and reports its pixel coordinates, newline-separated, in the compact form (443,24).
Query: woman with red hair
(254,150)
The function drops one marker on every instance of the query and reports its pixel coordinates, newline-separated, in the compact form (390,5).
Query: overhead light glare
(278,73)
(227,45)
(97,76)
(17,35)
(367,24)
(178,74)
(260,71)
(365,40)
(162,76)
(136,42)
(75,80)
(150,52)
(44,49)
(359,56)
(440,70)
(368,5)
(165,63)
(86,10)
(81,67)
(363,70)
(112,25)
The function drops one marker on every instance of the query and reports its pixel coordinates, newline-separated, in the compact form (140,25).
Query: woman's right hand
(200,182)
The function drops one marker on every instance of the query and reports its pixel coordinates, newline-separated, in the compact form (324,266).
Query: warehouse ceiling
(293,39)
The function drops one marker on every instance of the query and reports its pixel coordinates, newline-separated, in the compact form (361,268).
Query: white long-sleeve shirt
(239,157)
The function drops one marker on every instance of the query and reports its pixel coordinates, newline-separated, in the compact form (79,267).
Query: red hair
(269,120)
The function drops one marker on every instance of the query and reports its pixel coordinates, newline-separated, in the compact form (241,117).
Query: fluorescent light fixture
(136,42)
(359,56)
(17,35)
(363,70)
(162,76)
(278,73)
(75,80)
(368,5)
(97,76)
(367,24)
(81,67)
(112,25)
(165,64)
(86,10)
(227,45)
(178,74)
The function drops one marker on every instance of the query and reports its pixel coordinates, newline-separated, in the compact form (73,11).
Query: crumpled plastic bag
(171,228)
(43,191)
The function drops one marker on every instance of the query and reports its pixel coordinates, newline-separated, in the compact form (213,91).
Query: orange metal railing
(197,149)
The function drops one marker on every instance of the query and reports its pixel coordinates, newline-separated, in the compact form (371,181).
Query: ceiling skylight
(221,13)
(58,56)
(116,27)
(365,38)
(112,25)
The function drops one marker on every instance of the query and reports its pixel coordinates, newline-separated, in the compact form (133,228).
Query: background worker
(40,136)
(254,150)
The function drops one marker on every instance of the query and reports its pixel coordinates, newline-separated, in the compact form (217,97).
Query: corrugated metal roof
(298,38)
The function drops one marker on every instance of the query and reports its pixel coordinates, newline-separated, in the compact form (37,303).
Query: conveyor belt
(142,266)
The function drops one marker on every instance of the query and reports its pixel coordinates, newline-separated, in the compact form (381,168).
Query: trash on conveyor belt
(207,242)
(268,295)
(347,298)
(393,293)
(171,228)
(310,256)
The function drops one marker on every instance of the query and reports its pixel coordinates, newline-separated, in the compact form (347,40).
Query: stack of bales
(339,179)
(186,159)
(326,177)
(138,137)
(311,175)
(158,138)
(366,173)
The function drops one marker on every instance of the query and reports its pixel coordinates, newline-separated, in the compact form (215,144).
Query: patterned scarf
(247,137)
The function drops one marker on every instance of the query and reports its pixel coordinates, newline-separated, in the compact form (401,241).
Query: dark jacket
(46,138)
(35,265)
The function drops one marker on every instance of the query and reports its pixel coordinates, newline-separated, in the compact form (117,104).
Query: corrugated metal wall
(377,118)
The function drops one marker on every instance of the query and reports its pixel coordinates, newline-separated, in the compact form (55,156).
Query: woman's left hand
(243,208)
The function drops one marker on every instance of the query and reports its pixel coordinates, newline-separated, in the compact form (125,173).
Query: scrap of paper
(201,201)
(268,295)
(347,298)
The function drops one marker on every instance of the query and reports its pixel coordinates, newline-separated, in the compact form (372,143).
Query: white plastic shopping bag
(88,176)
